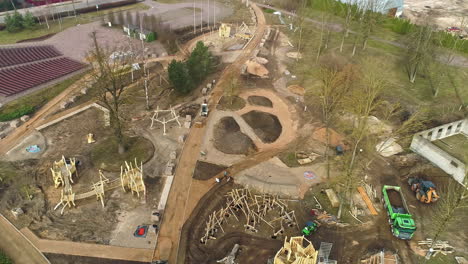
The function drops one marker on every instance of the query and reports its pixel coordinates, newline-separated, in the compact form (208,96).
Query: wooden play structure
(255,209)
(131,178)
(155,117)
(224,31)
(63,171)
(295,252)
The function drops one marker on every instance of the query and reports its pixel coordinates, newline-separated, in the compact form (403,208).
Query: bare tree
(420,51)
(453,199)
(336,84)
(110,80)
(351,12)
(361,103)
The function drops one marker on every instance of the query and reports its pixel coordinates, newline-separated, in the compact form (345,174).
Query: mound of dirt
(260,100)
(266,126)
(205,171)
(296,89)
(230,140)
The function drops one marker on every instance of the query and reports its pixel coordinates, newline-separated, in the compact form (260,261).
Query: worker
(218,180)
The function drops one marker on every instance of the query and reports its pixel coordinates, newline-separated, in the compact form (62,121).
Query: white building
(423,144)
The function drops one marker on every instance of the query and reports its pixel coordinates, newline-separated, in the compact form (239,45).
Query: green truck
(400,219)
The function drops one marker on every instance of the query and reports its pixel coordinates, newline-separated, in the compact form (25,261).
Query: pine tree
(179,77)
(200,63)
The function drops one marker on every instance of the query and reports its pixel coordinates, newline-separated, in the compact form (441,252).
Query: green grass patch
(7,172)
(289,158)
(105,152)
(28,104)
(55,27)
(4,259)
(268,11)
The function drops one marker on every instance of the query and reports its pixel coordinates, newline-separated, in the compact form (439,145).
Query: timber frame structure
(294,252)
(131,178)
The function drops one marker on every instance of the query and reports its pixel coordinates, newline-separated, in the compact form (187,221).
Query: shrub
(29,21)
(17,113)
(401,26)
(14,23)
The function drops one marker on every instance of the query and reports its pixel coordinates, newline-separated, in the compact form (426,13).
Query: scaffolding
(131,178)
(163,121)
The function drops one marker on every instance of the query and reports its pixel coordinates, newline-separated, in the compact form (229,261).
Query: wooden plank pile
(437,247)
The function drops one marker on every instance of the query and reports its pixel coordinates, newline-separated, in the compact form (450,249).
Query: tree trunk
(327,155)
(342,42)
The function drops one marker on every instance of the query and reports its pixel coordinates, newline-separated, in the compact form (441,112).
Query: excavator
(425,190)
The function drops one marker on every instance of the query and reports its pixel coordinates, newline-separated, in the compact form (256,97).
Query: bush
(14,23)
(400,26)
(447,40)
(17,113)
(29,21)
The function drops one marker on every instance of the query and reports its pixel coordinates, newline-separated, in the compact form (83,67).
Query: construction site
(263,160)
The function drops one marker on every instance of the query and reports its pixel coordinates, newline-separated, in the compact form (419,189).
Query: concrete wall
(422,145)
(447,130)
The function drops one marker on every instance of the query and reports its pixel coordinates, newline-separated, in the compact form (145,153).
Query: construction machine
(310,228)
(400,220)
(425,190)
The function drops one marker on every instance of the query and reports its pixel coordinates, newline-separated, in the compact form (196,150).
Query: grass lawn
(456,145)
(4,258)
(55,27)
(30,103)
(105,155)
(389,63)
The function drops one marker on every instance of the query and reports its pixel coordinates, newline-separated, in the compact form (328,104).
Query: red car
(453,29)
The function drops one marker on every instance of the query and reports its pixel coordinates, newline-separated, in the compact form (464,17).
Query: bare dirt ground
(205,171)
(230,140)
(443,13)
(260,100)
(266,126)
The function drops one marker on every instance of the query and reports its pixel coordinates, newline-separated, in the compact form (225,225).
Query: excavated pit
(205,171)
(266,126)
(230,140)
(259,100)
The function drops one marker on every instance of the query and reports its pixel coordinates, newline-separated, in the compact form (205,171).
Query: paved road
(19,249)
(186,192)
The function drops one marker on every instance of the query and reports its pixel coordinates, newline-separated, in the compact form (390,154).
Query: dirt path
(19,249)
(87,250)
(181,202)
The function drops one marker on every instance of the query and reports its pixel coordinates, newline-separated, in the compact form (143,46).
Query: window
(453,163)
(449,130)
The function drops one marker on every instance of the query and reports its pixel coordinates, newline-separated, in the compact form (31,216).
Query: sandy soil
(443,13)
